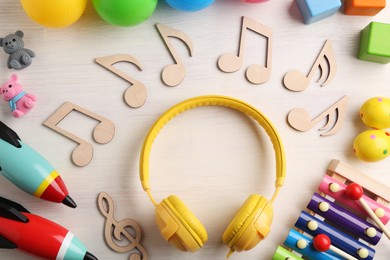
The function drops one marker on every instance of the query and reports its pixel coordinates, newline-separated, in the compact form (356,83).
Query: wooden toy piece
(350,245)
(314,10)
(299,118)
(355,192)
(295,80)
(363,7)
(102,133)
(338,225)
(256,73)
(346,172)
(322,243)
(172,75)
(115,230)
(374,44)
(135,96)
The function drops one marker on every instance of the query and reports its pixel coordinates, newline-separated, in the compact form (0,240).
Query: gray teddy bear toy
(19,58)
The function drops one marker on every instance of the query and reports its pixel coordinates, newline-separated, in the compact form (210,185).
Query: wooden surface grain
(212,158)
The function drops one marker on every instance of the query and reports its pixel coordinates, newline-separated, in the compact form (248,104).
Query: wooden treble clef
(116,230)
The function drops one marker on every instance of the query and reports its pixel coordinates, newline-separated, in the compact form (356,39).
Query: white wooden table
(213,158)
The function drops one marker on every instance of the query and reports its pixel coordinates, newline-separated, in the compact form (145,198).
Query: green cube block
(375,43)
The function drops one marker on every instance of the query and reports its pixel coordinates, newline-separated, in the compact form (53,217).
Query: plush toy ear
(19,33)
(14,77)
(1,42)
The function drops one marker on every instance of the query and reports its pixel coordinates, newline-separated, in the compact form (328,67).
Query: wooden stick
(374,217)
(342,253)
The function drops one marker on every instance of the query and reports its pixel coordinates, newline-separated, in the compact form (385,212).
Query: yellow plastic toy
(54,13)
(374,145)
(375,112)
(178,224)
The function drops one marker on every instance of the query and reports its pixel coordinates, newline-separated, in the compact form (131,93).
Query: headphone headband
(213,101)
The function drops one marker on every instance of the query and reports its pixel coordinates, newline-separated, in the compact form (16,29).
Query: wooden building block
(374,43)
(314,10)
(363,7)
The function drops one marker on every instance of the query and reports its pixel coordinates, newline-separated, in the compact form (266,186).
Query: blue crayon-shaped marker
(28,170)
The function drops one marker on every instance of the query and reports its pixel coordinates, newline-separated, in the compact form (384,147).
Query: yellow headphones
(178,224)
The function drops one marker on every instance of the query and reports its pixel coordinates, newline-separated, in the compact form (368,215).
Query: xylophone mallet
(322,243)
(355,192)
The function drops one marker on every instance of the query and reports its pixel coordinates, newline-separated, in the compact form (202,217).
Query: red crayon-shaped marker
(36,235)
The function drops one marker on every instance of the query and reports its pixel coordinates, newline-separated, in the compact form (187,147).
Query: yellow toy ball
(375,112)
(372,145)
(54,13)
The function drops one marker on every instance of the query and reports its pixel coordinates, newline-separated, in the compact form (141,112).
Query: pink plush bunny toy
(20,102)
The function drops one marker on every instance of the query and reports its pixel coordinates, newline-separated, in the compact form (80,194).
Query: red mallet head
(354,191)
(321,243)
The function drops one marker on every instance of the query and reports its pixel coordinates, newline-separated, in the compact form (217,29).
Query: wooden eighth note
(256,73)
(300,119)
(295,80)
(135,96)
(172,75)
(118,229)
(102,133)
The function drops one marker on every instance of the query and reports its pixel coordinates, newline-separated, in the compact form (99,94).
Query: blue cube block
(315,10)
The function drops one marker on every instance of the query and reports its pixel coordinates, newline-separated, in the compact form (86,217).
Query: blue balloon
(189,5)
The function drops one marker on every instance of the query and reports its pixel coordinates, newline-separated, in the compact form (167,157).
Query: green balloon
(125,12)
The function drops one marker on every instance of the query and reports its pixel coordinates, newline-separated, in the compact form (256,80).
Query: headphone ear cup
(250,225)
(179,225)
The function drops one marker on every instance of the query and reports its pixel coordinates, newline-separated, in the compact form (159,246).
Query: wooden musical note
(172,75)
(256,73)
(135,96)
(102,133)
(300,119)
(295,80)
(115,230)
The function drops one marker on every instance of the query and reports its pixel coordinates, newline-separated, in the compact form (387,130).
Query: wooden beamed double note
(255,73)
(295,80)
(300,119)
(103,133)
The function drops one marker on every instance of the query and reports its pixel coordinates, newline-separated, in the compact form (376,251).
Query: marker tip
(68,201)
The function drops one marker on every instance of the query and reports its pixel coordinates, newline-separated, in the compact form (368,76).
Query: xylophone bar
(342,218)
(335,189)
(369,184)
(348,244)
(283,254)
(303,245)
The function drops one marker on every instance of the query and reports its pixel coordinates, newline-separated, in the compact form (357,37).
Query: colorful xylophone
(344,222)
